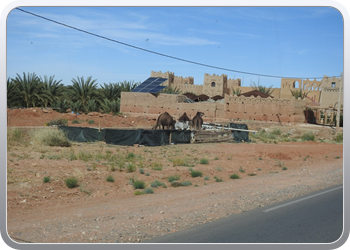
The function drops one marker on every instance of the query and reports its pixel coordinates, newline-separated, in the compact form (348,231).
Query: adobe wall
(234,108)
(289,110)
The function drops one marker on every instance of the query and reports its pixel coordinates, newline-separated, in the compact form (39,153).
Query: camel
(165,120)
(197,121)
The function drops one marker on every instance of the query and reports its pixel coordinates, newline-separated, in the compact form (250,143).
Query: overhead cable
(161,54)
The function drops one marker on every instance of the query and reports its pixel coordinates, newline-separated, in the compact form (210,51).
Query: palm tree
(299,93)
(13,98)
(263,89)
(53,88)
(62,105)
(127,86)
(110,106)
(92,106)
(84,90)
(236,91)
(110,91)
(29,89)
(170,90)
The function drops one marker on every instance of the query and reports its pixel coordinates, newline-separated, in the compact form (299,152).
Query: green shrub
(157,184)
(50,137)
(157,166)
(206,178)
(217,179)
(241,169)
(196,173)
(91,122)
(110,178)
(284,168)
(339,137)
(173,178)
(179,162)
(276,131)
(15,135)
(46,179)
(176,184)
(71,182)
(142,171)
(148,191)
(130,168)
(130,155)
(186,183)
(138,192)
(139,184)
(234,176)
(204,161)
(308,136)
(75,121)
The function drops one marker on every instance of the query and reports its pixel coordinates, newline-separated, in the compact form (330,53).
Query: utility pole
(339,99)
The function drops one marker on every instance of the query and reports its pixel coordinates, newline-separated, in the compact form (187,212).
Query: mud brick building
(281,107)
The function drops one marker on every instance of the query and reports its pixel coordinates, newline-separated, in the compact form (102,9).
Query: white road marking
(301,199)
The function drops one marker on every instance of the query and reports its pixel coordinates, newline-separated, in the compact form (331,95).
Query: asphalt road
(314,218)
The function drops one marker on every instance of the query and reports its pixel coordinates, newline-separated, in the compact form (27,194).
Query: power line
(164,55)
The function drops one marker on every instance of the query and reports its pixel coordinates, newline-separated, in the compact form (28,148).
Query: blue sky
(298,42)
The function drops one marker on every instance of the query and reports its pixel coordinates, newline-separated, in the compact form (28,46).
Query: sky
(115,44)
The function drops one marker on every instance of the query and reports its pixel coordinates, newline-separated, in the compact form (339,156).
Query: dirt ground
(110,212)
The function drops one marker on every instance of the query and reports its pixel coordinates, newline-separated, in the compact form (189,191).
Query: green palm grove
(82,95)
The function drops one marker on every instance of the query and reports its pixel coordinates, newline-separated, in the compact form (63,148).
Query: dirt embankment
(102,211)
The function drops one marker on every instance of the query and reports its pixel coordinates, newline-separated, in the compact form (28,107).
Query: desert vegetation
(145,169)
(82,95)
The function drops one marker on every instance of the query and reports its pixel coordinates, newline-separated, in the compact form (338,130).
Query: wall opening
(213,84)
(296,84)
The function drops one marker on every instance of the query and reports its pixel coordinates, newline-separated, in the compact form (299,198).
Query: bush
(139,184)
(176,184)
(91,122)
(308,136)
(15,135)
(186,183)
(148,191)
(339,137)
(156,166)
(130,156)
(217,179)
(130,168)
(234,176)
(138,192)
(196,173)
(71,182)
(173,178)
(46,179)
(50,137)
(157,184)
(179,162)
(75,121)
(204,161)
(110,178)
(142,171)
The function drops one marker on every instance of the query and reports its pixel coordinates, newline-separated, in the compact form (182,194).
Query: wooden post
(339,100)
(170,138)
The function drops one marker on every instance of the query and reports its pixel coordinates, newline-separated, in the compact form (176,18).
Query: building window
(333,85)
(213,84)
